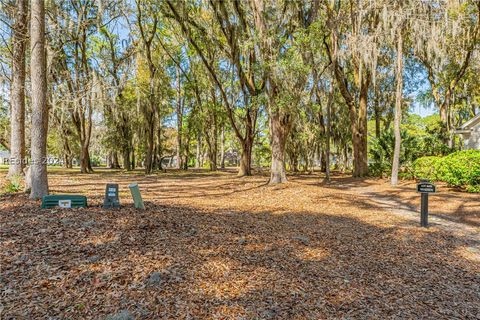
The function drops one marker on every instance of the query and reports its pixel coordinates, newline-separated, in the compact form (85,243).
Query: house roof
(471,123)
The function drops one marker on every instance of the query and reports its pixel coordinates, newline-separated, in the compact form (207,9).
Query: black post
(424,210)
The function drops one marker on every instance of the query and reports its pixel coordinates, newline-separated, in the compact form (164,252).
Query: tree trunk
(115,162)
(245,168)
(90,168)
(179,121)
(198,151)
(222,148)
(293,160)
(39,178)
(212,154)
(84,159)
(150,147)
(328,130)
(315,161)
(109,160)
(17,118)
(450,126)
(311,158)
(126,160)
(377,121)
(187,153)
(150,110)
(346,164)
(83,127)
(179,152)
(68,162)
(213,161)
(358,119)
(306,163)
(158,149)
(246,159)
(215,141)
(359,132)
(133,159)
(85,133)
(279,128)
(67,154)
(398,109)
(65,160)
(323,162)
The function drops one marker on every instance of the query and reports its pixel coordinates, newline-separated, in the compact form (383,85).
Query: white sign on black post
(425,187)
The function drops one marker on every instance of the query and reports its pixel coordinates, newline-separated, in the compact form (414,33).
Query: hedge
(458,169)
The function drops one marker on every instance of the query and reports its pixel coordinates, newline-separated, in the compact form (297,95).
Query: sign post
(111,196)
(425,187)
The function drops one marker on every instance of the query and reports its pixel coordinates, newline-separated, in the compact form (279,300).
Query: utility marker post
(425,187)
(137,197)
(111,196)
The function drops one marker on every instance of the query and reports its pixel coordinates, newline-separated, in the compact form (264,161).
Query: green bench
(64,200)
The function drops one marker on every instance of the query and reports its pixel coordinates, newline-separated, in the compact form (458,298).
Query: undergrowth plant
(13,184)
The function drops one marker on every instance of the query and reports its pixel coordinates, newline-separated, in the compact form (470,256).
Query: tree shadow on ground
(464,212)
(181,262)
(404,197)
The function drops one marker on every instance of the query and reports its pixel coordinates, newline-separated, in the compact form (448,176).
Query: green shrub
(473,189)
(462,169)
(427,168)
(458,169)
(379,169)
(14,184)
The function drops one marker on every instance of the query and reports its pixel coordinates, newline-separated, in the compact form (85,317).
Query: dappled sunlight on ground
(219,246)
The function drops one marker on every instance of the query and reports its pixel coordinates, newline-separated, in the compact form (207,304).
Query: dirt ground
(214,246)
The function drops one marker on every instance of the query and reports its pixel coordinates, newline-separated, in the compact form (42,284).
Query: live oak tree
(147,24)
(244,60)
(119,108)
(73,23)
(446,38)
(277,26)
(286,84)
(359,51)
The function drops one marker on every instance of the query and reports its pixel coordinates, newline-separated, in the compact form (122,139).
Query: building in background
(470,132)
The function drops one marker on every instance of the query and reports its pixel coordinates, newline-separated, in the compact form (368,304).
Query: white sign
(65,203)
